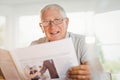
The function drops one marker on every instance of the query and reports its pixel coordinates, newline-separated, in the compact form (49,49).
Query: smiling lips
(55,33)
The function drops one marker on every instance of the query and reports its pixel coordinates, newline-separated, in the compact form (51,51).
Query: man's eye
(56,19)
(46,21)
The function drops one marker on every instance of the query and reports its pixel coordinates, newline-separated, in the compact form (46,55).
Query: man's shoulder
(76,36)
(39,41)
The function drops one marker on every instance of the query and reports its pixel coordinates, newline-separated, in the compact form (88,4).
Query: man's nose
(52,24)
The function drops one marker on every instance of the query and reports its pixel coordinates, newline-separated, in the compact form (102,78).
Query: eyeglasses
(55,21)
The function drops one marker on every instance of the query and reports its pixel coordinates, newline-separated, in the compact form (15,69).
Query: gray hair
(56,6)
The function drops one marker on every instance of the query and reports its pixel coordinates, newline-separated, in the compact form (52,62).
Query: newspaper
(47,61)
(8,69)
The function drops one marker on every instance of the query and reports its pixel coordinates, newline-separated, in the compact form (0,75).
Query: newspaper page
(47,61)
(8,70)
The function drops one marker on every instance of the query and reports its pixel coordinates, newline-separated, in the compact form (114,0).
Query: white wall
(69,5)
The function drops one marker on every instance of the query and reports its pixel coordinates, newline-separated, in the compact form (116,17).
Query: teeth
(53,33)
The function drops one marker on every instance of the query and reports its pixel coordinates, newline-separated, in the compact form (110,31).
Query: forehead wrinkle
(47,15)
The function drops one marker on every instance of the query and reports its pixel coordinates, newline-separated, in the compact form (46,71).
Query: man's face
(54,31)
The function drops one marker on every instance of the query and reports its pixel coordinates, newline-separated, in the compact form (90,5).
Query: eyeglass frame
(53,21)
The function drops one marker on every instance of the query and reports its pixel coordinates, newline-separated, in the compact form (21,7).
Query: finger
(79,72)
(79,77)
(84,67)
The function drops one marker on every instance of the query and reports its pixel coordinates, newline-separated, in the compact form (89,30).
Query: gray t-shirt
(78,42)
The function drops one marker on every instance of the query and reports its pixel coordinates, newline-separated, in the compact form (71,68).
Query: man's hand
(80,72)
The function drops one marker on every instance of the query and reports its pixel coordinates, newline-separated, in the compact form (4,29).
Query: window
(80,22)
(29,30)
(2,31)
(107,30)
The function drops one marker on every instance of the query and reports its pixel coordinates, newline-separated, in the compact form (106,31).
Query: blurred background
(98,19)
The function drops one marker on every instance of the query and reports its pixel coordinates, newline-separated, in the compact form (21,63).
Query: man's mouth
(54,33)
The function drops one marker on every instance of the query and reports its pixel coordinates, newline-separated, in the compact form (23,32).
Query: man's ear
(42,28)
(67,22)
